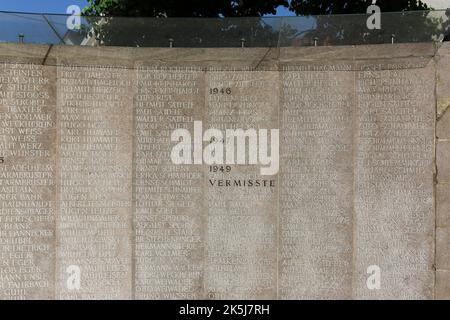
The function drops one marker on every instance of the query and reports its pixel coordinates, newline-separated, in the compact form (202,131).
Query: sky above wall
(60,6)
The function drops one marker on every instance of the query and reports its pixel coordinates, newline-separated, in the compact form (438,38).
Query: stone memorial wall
(119,178)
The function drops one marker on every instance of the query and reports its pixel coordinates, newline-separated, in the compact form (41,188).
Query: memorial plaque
(95,148)
(169,216)
(242,194)
(316,197)
(232,173)
(364,176)
(394,203)
(27,179)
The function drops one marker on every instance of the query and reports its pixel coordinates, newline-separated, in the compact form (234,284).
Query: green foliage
(184,8)
(325,7)
(222,29)
(405,20)
(113,30)
(216,31)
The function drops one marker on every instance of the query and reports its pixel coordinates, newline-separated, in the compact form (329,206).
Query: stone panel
(443,125)
(95,145)
(27,179)
(394,206)
(442,163)
(241,199)
(89,191)
(443,248)
(442,205)
(443,284)
(169,216)
(316,206)
(443,80)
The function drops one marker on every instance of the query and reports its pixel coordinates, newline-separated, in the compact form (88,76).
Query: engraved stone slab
(169,219)
(27,179)
(389,146)
(91,198)
(95,113)
(241,199)
(315,245)
(394,179)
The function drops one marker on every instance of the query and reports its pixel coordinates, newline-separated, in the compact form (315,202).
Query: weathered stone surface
(393,180)
(354,189)
(442,163)
(320,55)
(443,80)
(316,175)
(443,125)
(443,248)
(443,205)
(385,136)
(95,150)
(443,171)
(169,216)
(15,53)
(27,179)
(443,284)
(243,59)
(241,202)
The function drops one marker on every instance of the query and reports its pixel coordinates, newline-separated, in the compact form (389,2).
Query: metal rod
(54,30)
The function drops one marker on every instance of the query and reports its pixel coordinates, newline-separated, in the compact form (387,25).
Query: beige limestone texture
(443,248)
(442,205)
(443,165)
(442,58)
(443,285)
(355,186)
(28,203)
(442,79)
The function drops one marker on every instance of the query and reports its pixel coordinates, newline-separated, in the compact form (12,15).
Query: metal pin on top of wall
(171,43)
(21,38)
(242,42)
(392,38)
(315,41)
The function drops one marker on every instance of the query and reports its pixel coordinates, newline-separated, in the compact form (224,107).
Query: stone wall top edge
(359,52)
(260,58)
(444,48)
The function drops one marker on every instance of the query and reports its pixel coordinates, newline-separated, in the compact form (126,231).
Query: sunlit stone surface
(92,205)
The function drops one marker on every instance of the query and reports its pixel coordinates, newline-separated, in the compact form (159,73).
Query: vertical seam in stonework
(435,174)
(279,185)
(280,188)
(57,176)
(354,168)
(205,216)
(134,83)
(280,101)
